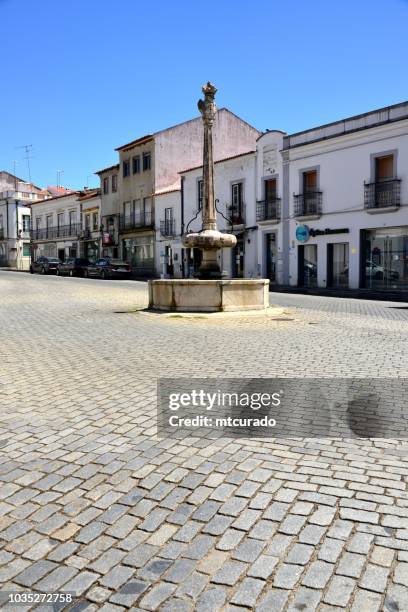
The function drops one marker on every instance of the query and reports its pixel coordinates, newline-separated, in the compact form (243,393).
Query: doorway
(61,254)
(307,265)
(338,265)
(238,259)
(271,257)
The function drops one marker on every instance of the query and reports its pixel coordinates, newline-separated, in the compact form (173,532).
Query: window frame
(147,156)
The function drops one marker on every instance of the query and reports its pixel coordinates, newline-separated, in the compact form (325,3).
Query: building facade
(148,170)
(16,196)
(66,225)
(348,203)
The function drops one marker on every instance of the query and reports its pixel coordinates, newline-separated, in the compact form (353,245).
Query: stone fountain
(209,292)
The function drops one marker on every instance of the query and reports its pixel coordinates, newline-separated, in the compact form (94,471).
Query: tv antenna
(59,172)
(27,149)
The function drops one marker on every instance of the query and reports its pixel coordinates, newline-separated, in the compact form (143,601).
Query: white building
(56,226)
(347,195)
(15,198)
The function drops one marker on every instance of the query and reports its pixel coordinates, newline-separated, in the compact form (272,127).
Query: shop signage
(326,231)
(302,233)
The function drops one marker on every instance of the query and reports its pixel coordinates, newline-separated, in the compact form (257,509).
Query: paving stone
(248,592)
(249,550)
(323,516)
(292,524)
(35,572)
(107,560)
(141,555)
(300,554)
(318,574)
(351,564)
(212,562)
(246,519)
(305,599)
(311,534)
(81,582)
(157,595)
(263,530)
(360,543)
(276,511)
(263,567)
(229,573)
(98,594)
(396,599)
(339,591)
(63,551)
(54,581)
(401,574)
(330,550)
(217,525)
(287,576)
(279,544)
(211,600)
(116,577)
(233,506)
(199,547)
(374,578)
(275,600)
(179,571)
(192,585)
(163,534)
(366,601)
(206,511)
(177,605)
(90,532)
(230,539)
(340,530)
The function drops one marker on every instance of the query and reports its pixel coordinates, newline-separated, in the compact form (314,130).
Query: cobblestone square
(92,501)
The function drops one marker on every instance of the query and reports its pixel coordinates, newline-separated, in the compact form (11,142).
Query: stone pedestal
(191,295)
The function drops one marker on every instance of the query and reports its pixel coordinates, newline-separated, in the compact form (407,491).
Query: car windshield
(53,260)
(82,262)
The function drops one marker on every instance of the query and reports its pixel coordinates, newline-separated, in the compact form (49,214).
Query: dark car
(45,265)
(108,268)
(73,266)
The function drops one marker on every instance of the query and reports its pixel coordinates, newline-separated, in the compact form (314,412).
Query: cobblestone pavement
(92,502)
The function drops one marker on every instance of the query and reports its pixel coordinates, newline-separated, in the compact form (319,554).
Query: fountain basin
(210,240)
(192,295)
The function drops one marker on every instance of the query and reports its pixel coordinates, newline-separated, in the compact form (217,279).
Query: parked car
(73,266)
(45,265)
(108,268)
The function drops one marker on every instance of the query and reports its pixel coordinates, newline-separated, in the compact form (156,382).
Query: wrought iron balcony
(136,221)
(308,204)
(61,231)
(236,214)
(383,194)
(268,210)
(168,227)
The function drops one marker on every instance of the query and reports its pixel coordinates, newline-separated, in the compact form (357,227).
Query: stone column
(208,109)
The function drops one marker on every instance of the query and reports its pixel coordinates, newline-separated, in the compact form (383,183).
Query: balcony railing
(236,214)
(267,210)
(168,227)
(129,222)
(384,194)
(62,231)
(308,204)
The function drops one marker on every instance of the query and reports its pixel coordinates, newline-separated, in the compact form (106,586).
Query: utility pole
(28,149)
(59,172)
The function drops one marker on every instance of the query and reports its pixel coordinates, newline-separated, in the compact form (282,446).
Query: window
(136,164)
(309,181)
(26,223)
(72,220)
(126,168)
(95,221)
(87,221)
(384,168)
(60,220)
(147,205)
(106,185)
(270,190)
(1,221)
(26,249)
(38,222)
(237,205)
(200,194)
(146,161)
(114,183)
(48,221)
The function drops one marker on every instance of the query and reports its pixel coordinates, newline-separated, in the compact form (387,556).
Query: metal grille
(268,209)
(308,203)
(382,194)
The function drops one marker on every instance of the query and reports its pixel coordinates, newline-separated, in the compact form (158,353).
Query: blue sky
(82,77)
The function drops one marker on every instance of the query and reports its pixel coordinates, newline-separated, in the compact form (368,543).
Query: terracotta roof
(106,169)
(136,142)
(219,161)
(89,194)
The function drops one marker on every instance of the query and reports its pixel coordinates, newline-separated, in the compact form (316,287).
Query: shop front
(384,261)
(138,251)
